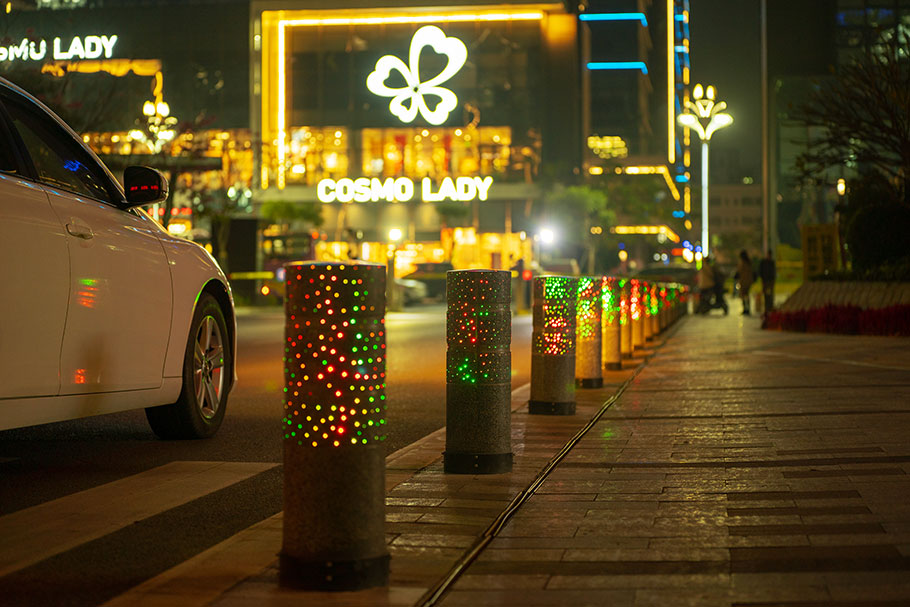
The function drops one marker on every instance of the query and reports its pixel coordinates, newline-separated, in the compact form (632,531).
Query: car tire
(207,362)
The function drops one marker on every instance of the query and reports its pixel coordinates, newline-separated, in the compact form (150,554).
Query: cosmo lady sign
(402,189)
(78,47)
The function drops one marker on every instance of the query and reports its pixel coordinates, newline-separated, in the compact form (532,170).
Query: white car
(101,310)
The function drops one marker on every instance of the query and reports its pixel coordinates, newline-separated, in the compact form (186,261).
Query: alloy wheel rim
(208,367)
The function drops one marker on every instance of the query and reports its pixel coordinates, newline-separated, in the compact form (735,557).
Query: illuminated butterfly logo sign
(407,101)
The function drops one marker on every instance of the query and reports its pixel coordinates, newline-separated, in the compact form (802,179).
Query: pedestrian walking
(767,271)
(746,277)
(705,282)
(719,279)
(710,282)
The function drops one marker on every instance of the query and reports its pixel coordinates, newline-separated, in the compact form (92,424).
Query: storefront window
(316,153)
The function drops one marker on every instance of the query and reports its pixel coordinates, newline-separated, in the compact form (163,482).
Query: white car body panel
(34,282)
(119,315)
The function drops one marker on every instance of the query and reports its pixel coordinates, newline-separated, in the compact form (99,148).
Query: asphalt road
(53,461)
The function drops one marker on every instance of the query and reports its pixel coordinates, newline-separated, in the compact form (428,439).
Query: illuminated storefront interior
(316,153)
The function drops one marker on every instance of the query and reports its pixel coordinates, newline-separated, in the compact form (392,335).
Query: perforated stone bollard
(334,426)
(636,313)
(645,301)
(611,346)
(665,310)
(625,318)
(478,372)
(553,346)
(654,307)
(663,316)
(588,318)
(680,301)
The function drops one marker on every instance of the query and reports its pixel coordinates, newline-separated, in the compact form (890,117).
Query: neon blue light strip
(680,49)
(614,17)
(618,65)
(680,17)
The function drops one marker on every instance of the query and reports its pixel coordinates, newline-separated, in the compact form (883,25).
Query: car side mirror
(143,185)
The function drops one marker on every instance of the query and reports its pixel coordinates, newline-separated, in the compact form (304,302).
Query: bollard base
(335,576)
(614,366)
(591,382)
(476,463)
(536,407)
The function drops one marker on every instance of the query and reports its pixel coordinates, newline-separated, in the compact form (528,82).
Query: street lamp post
(393,295)
(159,126)
(706,117)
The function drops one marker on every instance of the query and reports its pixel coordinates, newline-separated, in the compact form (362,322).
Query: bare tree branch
(864,113)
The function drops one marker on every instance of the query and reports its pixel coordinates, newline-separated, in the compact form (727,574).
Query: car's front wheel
(207,361)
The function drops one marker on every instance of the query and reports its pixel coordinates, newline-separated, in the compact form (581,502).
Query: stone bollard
(654,307)
(674,304)
(553,346)
(636,314)
(478,372)
(684,296)
(645,301)
(625,318)
(334,426)
(588,318)
(611,351)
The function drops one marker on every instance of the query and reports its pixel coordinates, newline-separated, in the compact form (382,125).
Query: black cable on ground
(432,596)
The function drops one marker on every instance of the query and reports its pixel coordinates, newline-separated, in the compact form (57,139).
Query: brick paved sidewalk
(739,467)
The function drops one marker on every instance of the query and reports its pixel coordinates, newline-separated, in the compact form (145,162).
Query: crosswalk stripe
(34,534)
(203,578)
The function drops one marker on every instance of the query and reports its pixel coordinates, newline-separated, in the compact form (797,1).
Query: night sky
(725,52)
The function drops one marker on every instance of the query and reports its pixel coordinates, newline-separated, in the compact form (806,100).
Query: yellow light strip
(282,110)
(671,84)
(687,199)
(418,18)
(666,230)
(655,170)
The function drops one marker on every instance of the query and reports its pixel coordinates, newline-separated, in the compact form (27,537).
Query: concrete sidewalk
(737,467)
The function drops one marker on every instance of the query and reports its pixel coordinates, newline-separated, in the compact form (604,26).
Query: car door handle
(80,230)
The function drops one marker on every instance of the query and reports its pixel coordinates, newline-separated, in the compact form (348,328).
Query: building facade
(435,122)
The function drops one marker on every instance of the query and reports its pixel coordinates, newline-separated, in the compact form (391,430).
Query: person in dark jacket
(719,278)
(767,272)
(745,277)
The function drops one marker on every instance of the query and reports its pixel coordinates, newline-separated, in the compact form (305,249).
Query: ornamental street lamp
(159,126)
(707,116)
